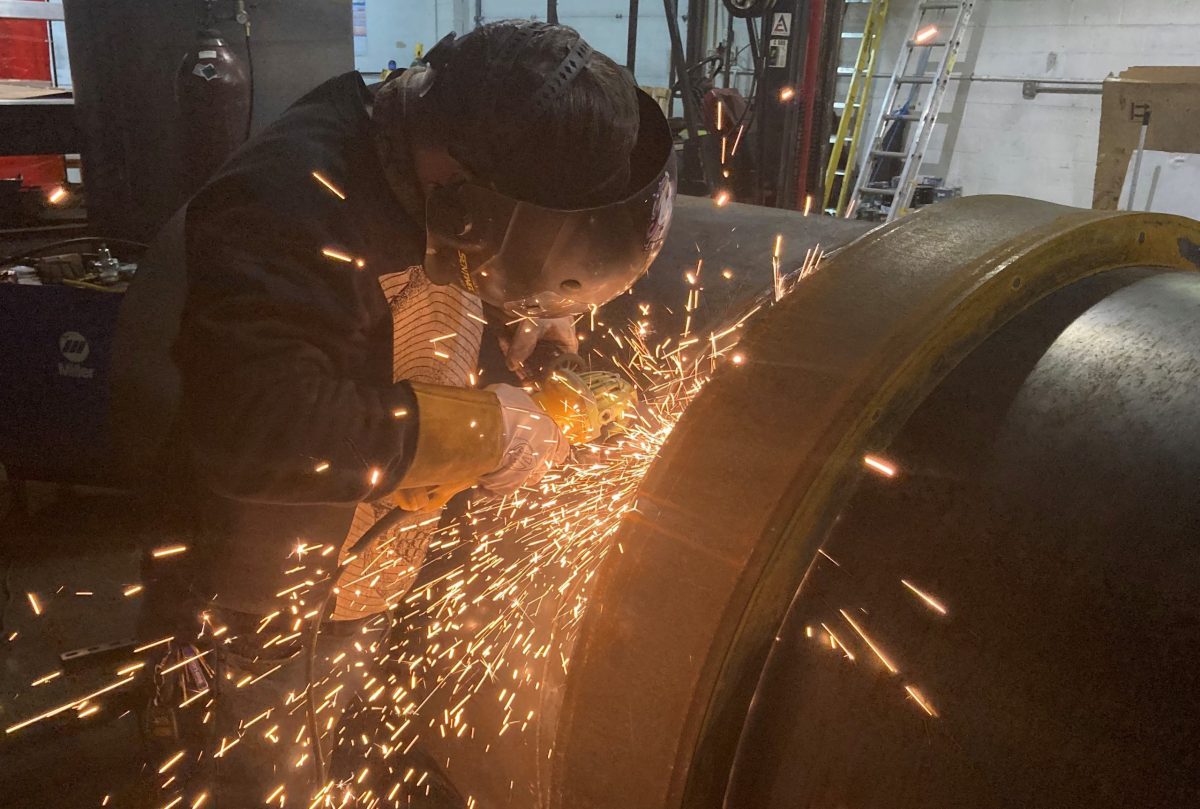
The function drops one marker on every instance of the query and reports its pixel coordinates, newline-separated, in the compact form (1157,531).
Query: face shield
(546,262)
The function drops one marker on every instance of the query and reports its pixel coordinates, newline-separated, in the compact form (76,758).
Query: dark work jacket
(285,353)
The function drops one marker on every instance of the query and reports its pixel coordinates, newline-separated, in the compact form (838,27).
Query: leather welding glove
(527,333)
(496,438)
(428,499)
(533,443)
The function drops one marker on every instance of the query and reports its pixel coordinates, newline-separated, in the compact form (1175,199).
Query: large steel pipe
(506,765)
(1010,618)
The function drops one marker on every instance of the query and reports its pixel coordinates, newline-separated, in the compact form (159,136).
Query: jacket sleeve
(277,405)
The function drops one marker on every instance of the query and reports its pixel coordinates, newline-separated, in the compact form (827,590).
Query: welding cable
(250,78)
(375,532)
(17,258)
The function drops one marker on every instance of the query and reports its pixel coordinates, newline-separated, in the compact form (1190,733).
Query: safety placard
(782,26)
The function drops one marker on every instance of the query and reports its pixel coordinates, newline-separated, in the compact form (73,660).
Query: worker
(340,270)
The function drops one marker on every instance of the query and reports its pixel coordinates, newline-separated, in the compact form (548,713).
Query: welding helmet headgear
(539,261)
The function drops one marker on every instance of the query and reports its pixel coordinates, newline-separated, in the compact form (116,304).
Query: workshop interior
(874,467)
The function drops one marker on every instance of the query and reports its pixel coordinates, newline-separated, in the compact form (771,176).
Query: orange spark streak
(171,762)
(68,706)
(170,550)
(882,657)
(338,255)
(45,679)
(933,603)
(888,470)
(919,698)
(152,644)
(332,188)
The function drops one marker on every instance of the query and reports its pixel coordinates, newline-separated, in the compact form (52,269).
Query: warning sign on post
(782,26)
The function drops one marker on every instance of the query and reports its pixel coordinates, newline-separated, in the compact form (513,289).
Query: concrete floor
(70,544)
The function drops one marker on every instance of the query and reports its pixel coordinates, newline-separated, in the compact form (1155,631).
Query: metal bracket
(1032,89)
(30,10)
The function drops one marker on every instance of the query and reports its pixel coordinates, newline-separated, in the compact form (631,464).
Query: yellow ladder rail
(854,113)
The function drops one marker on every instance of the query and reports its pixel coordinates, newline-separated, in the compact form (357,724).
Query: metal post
(752,36)
(697,19)
(690,114)
(552,12)
(811,79)
(728,50)
(785,177)
(1142,111)
(631,48)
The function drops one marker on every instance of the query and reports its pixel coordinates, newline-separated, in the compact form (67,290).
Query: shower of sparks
(495,613)
(333,189)
(870,644)
(919,698)
(929,600)
(885,468)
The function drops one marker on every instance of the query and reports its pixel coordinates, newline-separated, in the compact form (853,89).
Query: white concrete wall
(395,27)
(993,141)
(605,25)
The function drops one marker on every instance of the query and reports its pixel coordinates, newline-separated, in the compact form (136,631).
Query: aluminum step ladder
(854,111)
(937,29)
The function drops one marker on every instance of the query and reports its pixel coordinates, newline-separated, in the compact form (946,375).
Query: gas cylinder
(214,96)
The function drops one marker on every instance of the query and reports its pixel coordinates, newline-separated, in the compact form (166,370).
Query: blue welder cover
(56,343)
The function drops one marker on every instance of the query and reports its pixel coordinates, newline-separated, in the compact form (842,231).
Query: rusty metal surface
(732,513)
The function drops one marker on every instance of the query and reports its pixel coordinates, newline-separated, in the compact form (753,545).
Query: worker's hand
(533,444)
(428,499)
(527,333)
(566,398)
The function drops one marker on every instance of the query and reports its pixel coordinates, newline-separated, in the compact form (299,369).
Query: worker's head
(547,173)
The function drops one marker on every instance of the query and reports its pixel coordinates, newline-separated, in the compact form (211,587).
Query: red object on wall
(25,55)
